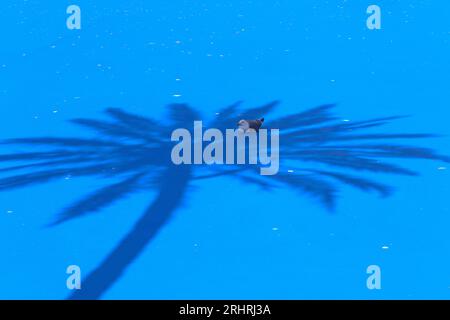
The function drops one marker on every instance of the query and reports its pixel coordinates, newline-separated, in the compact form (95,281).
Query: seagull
(250,124)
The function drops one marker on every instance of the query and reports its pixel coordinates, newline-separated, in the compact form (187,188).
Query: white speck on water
(55,111)
(9,211)
(178,42)
(385,247)
(176,95)
(177,79)
(195,244)
(332,80)
(290,171)
(217,113)
(274,229)
(346,120)
(442,168)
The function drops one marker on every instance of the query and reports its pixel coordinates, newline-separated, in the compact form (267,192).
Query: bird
(250,124)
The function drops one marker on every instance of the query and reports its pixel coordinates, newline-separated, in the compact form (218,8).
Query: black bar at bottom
(229,309)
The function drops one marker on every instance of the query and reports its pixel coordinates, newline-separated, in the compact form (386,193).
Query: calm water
(226,238)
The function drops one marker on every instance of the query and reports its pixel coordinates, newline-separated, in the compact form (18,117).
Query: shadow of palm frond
(135,152)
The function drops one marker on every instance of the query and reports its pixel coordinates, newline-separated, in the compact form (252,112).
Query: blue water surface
(228,239)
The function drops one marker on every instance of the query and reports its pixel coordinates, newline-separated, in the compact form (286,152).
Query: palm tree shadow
(135,150)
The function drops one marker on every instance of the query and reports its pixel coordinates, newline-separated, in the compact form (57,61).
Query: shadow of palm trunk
(173,187)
